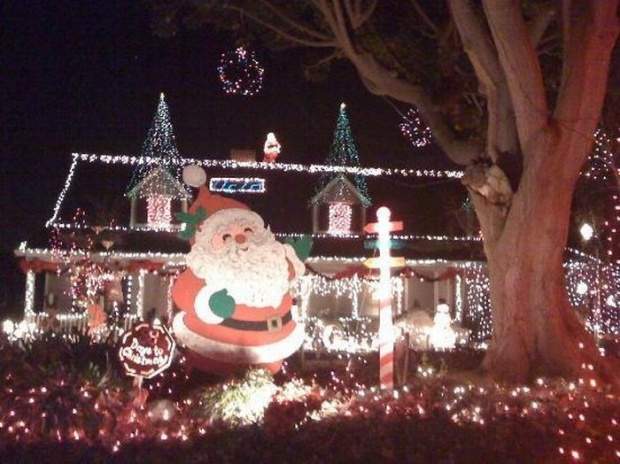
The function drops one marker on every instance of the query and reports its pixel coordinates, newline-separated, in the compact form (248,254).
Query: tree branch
(341,27)
(295,24)
(332,56)
(591,30)
(365,16)
(281,32)
(539,24)
(432,26)
(382,81)
(521,68)
(481,52)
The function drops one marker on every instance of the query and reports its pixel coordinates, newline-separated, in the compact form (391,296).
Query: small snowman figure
(442,336)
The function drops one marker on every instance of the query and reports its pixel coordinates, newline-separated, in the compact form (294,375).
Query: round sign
(146,350)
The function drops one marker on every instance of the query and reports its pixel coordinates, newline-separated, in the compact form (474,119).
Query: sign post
(146,351)
(384,262)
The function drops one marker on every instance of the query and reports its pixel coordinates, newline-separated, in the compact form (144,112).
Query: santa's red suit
(230,321)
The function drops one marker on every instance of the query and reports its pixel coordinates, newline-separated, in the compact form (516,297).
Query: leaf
(191,221)
(302,246)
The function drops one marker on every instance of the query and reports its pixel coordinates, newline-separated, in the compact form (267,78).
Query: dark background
(84,76)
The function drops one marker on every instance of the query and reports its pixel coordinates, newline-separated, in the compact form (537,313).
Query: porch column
(29,297)
(140,296)
(132,214)
(458,298)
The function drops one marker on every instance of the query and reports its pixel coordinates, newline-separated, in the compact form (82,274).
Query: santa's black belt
(270,325)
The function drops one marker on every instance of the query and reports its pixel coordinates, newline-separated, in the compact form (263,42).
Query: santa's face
(236,235)
(234,251)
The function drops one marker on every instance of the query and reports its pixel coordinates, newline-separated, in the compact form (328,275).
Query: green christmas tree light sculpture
(343,152)
(160,145)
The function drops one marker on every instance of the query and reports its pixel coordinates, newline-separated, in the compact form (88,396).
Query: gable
(340,190)
(159,181)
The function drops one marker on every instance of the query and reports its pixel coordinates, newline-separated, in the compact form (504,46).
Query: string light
(340,215)
(237,185)
(29,298)
(141,161)
(601,167)
(240,72)
(140,297)
(458,298)
(414,129)
(343,152)
(65,189)
(158,211)
(159,146)
(159,181)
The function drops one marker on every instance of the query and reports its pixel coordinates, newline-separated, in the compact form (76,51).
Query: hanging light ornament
(240,72)
(414,129)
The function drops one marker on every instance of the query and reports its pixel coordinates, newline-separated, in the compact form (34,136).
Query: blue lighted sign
(237,184)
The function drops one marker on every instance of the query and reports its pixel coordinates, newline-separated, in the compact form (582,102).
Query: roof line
(296,167)
(64,190)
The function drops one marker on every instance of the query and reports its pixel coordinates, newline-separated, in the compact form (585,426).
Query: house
(134,259)
(147,254)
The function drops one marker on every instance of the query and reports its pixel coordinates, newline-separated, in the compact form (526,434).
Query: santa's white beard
(257,277)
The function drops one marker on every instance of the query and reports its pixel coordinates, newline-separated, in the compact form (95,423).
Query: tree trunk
(536,331)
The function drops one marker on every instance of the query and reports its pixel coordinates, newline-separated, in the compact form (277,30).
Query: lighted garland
(240,72)
(414,129)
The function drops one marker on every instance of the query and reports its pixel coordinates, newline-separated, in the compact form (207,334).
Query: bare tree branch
(521,68)
(433,27)
(365,16)
(539,24)
(481,52)
(385,82)
(592,29)
(332,56)
(293,38)
(341,32)
(291,22)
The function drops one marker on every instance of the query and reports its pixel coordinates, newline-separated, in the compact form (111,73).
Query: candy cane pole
(386,330)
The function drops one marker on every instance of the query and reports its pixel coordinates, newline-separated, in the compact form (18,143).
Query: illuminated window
(158,210)
(340,218)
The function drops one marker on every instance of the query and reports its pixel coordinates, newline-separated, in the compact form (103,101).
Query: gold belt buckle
(274,323)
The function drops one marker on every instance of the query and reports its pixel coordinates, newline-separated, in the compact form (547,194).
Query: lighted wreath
(240,72)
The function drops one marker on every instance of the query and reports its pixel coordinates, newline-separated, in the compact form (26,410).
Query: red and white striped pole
(386,329)
(384,263)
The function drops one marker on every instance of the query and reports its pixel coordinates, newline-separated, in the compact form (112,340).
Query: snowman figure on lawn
(234,297)
(442,336)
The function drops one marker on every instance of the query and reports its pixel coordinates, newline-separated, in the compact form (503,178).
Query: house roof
(340,189)
(417,197)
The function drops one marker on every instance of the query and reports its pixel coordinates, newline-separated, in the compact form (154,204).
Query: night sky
(84,76)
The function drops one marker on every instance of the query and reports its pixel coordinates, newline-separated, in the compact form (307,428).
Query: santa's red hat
(205,205)
(195,176)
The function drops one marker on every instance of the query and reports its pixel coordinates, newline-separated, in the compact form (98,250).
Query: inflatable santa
(234,297)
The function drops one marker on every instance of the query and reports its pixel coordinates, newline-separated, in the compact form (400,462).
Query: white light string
(308,168)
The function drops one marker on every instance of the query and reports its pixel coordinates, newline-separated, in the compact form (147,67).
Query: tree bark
(536,331)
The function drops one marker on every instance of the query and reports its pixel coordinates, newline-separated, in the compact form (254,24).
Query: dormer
(156,199)
(339,208)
